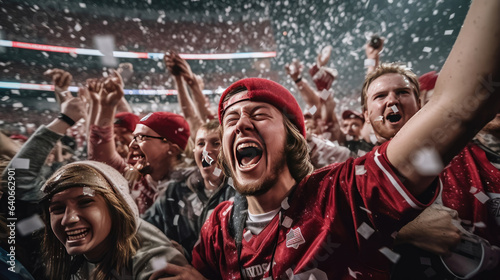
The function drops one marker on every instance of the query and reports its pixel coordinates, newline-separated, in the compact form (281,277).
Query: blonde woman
(93,230)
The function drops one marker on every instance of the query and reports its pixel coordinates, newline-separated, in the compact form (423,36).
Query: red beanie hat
(263,90)
(126,120)
(169,125)
(428,80)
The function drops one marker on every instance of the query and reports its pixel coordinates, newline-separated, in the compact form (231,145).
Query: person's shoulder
(219,217)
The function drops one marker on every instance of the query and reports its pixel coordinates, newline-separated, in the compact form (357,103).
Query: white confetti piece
(480,225)
(452,16)
(325,94)
(15,91)
(416,39)
(360,170)
(313,110)
(482,197)
(217,172)
(181,203)
(17,105)
(354,274)
(287,222)
(247,235)
(427,161)
(29,225)
(77,27)
(366,210)
(51,99)
(429,272)
(20,163)
(394,234)
(473,189)
(361,153)
(83,5)
(425,261)
(379,118)
(5,98)
(448,32)
(106,44)
(427,49)
(394,108)
(392,256)
(158,263)
(289,273)
(284,203)
(230,181)
(176,220)
(365,230)
(170,199)
(88,191)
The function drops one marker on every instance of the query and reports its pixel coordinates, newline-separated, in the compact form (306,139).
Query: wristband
(370,62)
(298,80)
(66,119)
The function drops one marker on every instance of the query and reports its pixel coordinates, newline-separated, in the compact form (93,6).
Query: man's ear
(365,114)
(174,149)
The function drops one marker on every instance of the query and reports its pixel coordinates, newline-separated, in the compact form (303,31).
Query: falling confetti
(392,256)
(287,222)
(360,170)
(427,161)
(217,172)
(176,220)
(30,225)
(284,203)
(20,163)
(247,235)
(365,230)
(482,197)
(88,191)
(158,263)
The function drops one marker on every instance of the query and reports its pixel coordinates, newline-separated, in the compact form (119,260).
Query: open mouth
(248,154)
(205,164)
(394,118)
(77,234)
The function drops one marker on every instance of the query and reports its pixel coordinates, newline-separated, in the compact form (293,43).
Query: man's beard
(262,186)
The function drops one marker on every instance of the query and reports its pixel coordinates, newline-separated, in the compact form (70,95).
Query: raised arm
(466,97)
(61,80)
(179,68)
(102,143)
(372,50)
(294,70)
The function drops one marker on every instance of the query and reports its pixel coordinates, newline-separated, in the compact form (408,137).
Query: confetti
(394,108)
(284,203)
(313,110)
(366,210)
(176,220)
(77,27)
(448,32)
(105,44)
(17,105)
(354,274)
(325,94)
(51,99)
(83,5)
(473,189)
(392,256)
(361,153)
(429,272)
(427,162)
(217,172)
(425,261)
(379,118)
(181,203)
(158,263)
(427,49)
(20,163)
(289,273)
(287,222)
(482,197)
(247,235)
(365,230)
(15,91)
(88,191)
(30,225)
(480,225)
(230,181)
(360,170)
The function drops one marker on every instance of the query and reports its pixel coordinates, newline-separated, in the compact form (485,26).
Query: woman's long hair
(122,237)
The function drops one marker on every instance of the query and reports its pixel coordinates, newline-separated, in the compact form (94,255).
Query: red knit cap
(263,90)
(169,125)
(126,120)
(428,80)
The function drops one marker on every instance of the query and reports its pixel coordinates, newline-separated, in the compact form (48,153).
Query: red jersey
(337,224)
(472,187)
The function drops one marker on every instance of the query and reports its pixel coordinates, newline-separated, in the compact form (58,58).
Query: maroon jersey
(337,224)
(472,187)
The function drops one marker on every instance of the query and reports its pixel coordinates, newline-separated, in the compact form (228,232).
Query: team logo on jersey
(294,238)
